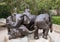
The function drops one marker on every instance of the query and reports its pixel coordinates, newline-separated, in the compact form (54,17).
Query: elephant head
(14,23)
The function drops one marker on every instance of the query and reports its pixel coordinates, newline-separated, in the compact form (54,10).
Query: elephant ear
(26,20)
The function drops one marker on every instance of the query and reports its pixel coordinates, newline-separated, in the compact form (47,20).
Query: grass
(56,19)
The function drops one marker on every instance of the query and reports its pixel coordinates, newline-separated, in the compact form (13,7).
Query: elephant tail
(50,21)
(50,26)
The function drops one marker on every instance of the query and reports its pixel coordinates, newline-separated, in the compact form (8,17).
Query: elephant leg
(8,27)
(51,29)
(45,33)
(8,30)
(36,36)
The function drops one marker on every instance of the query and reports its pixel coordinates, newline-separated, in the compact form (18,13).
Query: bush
(4,11)
(56,19)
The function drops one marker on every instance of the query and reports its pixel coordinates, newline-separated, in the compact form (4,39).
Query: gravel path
(52,37)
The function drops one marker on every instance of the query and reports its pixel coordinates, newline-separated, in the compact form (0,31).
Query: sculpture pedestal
(25,39)
(31,38)
(54,37)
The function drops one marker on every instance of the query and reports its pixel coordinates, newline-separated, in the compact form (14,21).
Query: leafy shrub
(56,19)
(4,11)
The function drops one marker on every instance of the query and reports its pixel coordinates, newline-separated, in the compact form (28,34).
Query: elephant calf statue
(20,32)
(42,21)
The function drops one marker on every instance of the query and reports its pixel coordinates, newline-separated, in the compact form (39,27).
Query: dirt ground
(52,37)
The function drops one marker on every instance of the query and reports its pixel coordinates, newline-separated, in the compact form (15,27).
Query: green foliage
(36,6)
(4,11)
(56,19)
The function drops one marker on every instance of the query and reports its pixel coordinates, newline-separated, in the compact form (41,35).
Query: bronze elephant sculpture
(42,21)
(32,22)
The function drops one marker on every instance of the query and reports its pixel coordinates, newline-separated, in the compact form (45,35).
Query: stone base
(52,37)
(2,22)
(25,39)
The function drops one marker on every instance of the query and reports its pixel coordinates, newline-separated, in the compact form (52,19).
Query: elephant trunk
(31,31)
